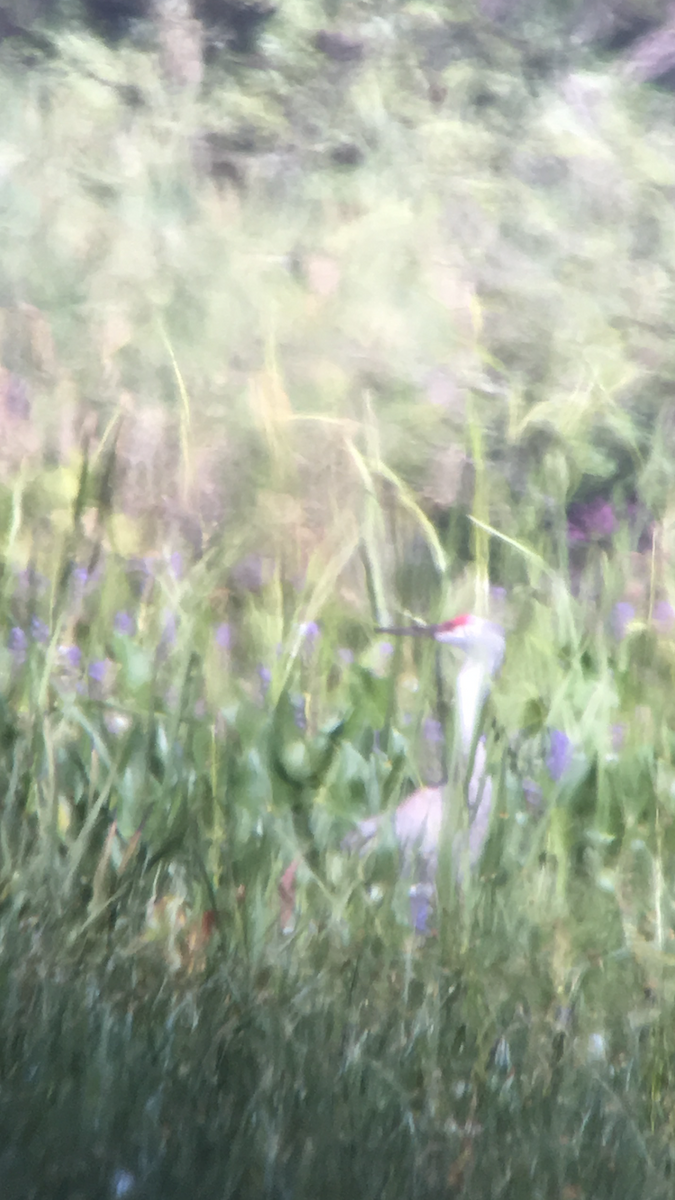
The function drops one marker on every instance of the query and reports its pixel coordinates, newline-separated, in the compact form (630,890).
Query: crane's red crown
(457,622)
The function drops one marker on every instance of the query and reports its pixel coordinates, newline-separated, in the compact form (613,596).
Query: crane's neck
(473,685)
(473,681)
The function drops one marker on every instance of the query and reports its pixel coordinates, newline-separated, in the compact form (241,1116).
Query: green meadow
(311,341)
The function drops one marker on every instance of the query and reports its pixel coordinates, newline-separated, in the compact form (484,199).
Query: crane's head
(480,639)
(483,644)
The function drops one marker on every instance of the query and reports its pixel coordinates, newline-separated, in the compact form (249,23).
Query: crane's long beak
(408,630)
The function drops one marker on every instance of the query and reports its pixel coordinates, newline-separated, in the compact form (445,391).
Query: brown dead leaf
(458,1168)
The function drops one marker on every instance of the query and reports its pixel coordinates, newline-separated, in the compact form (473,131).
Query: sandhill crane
(418,820)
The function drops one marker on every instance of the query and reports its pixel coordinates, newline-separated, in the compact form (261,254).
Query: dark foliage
(112,18)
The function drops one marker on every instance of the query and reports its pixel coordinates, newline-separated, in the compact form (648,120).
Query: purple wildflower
(433,731)
(420,907)
(265,677)
(18,644)
(346,656)
(618,736)
(559,755)
(592,521)
(84,581)
(386,649)
(300,712)
(17,396)
(664,615)
(98,670)
(223,636)
(310,631)
(248,573)
(176,564)
(622,614)
(170,628)
(39,631)
(601,520)
(79,577)
(533,795)
(77,586)
(124,624)
(71,655)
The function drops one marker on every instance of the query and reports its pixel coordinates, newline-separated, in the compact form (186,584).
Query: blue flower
(433,731)
(533,795)
(98,670)
(124,623)
(223,636)
(79,584)
(39,631)
(170,628)
(591,521)
(80,576)
(310,631)
(18,644)
(71,655)
(622,614)
(420,906)
(618,735)
(664,615)
(299,706)
(248,575)
(560,754)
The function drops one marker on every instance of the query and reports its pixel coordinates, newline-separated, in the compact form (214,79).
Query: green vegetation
(323,341)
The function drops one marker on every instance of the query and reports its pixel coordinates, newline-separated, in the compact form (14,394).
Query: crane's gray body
(418,820)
